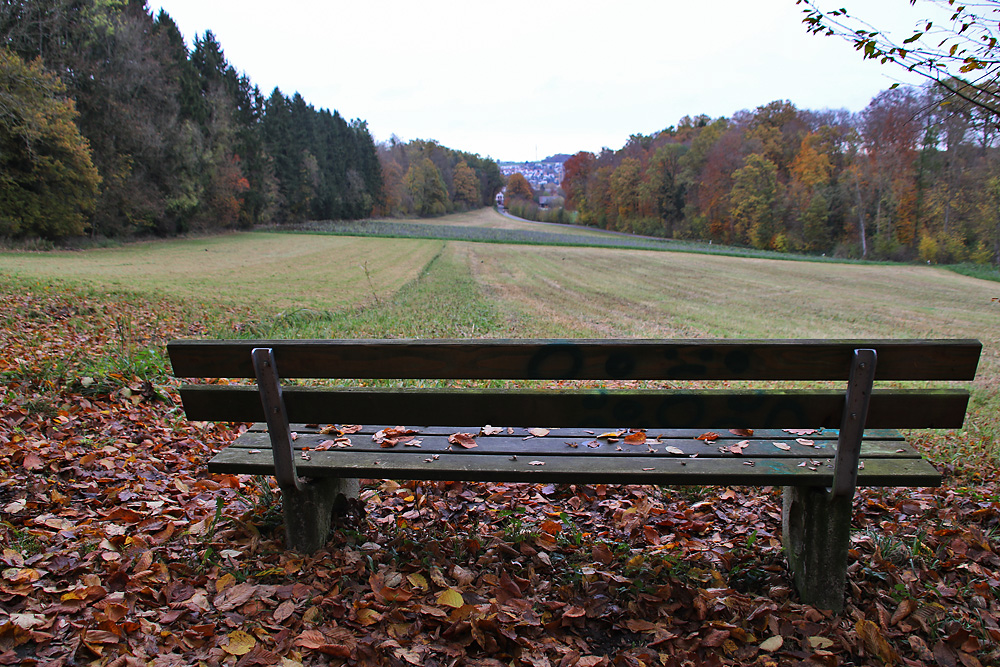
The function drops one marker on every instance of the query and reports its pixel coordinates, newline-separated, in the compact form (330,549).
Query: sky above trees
(524,80)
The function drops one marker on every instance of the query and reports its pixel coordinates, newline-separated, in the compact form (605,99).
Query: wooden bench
(855,444)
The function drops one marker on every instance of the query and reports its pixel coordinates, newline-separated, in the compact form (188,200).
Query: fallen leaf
(32,461)
(538,432)
(636,438)
(675,450)
(390,437)
(451,598)
(773,644)
(874,642)
(739,447)
(784,446)
(284,610)
(239,643)
(490,430)
(368,616)
(710,436)
(418,581)
(536,463)
(742,432)
(804,442)
(465,440)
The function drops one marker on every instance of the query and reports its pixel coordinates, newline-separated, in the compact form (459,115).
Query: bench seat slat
(578,469)
(938,408)
(673,433)
(567,445)
(691,359)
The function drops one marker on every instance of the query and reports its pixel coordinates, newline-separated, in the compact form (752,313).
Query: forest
(112,127)
(906,178)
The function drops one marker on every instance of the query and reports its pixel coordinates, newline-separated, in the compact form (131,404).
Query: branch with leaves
(957,47)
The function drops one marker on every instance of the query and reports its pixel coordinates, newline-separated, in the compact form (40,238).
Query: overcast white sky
(520,80)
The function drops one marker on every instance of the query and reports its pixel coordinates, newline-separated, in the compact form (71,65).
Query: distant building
(538,174)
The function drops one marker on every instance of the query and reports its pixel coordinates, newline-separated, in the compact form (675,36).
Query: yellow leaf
(418,581)
(451,598)
(240,643)
(224,582)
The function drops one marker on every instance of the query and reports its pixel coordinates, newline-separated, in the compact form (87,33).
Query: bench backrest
(671,360)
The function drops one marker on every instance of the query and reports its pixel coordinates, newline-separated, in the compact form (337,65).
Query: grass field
(489,218)
(270,271)
(310,285)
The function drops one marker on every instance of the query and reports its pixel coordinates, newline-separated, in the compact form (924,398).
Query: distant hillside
(558,157)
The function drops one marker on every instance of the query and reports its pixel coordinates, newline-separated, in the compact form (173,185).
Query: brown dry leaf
(742,432)
(234,597)
(904,609)
(490,430)
(640,625)
(675,450)
(738,447)
(784,446)
(635,438)
(919,646)
(368,616)
(284,610)
(875,643)
(32,461)
(610,435)
(804,442)
(464,440)
(538,432)
(801,431)
(709,436)
(390,437)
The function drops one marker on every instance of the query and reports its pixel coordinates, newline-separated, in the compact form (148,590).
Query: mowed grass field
(377,287)
(489,218)
(262,270)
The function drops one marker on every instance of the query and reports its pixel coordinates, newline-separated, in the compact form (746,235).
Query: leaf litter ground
(119,549)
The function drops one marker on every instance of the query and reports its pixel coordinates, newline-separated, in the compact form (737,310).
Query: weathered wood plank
(589,446)
(673,433)
(940,408)
(721,359)
(583,470)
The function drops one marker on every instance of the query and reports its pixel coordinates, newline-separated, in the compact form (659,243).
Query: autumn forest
(906,178)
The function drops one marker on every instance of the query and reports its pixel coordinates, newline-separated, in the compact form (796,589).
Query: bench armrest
(277,418)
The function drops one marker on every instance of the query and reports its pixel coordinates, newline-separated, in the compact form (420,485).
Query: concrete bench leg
(816,534)
(308,510)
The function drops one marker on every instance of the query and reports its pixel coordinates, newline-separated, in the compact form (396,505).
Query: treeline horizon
(907,178)
(111,126)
